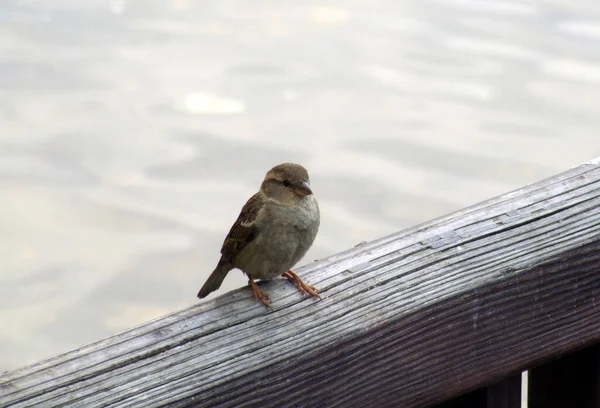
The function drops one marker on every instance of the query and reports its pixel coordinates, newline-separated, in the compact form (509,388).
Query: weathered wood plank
(408,320)
(570,381)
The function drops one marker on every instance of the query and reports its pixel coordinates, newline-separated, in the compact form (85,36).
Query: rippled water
(132,132)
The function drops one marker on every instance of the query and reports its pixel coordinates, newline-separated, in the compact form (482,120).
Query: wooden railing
(449,312)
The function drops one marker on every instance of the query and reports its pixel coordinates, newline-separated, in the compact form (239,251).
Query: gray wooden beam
(409,320)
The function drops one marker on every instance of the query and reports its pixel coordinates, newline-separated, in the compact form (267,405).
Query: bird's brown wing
(244,230)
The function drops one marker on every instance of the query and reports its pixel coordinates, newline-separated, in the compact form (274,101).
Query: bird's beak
(303,189)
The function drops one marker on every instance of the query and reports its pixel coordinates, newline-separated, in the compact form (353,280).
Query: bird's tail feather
(215,279)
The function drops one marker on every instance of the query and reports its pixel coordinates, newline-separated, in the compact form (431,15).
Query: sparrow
(274,230)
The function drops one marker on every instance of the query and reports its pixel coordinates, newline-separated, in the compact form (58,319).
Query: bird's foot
(259,295)
(300,284)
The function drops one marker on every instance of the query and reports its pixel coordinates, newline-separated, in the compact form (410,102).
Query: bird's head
(286,182)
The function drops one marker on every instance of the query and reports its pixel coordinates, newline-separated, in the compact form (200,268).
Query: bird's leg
(300,284)
(259,295)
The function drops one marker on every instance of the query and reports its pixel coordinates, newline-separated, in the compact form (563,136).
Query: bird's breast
(285,235)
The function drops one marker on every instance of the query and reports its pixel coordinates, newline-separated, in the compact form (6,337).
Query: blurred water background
(133,131)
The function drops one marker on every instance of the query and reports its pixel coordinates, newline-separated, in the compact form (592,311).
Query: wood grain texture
(409,320)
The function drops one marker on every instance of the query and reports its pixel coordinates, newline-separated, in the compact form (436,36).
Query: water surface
(132,132)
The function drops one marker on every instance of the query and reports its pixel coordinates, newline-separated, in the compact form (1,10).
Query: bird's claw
(260,295)
(303,287)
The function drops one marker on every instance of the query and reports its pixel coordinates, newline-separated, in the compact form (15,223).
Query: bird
(272,233)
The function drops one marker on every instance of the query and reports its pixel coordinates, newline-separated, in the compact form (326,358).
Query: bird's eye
(286,183)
